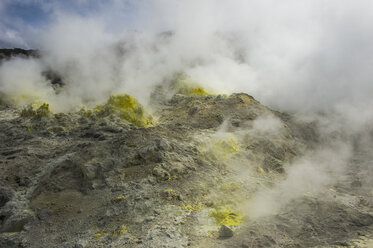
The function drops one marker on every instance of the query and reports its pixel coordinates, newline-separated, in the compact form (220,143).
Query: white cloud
(11,38)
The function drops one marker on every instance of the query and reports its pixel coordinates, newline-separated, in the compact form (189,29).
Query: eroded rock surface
(70,180)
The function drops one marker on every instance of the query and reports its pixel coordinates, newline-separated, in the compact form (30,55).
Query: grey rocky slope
(72,180)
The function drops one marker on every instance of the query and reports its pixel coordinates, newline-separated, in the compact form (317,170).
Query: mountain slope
(82,179)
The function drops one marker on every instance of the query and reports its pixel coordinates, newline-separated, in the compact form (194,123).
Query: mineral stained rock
(94,180)
(225,232)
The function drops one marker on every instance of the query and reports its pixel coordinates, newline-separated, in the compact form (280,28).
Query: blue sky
(29,13)
(20,19)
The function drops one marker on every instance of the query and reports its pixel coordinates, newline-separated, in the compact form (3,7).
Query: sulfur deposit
(112,176)
(125,107)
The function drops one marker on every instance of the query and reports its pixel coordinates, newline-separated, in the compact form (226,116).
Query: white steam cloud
(24,81)
(292,55)
(307,175)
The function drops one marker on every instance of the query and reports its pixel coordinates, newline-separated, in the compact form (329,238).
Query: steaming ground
(304,56)
(80,179)
(83,177)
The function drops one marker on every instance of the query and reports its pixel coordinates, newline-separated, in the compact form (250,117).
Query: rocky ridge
(87,180)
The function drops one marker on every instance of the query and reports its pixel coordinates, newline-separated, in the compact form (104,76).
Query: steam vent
(186,124)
